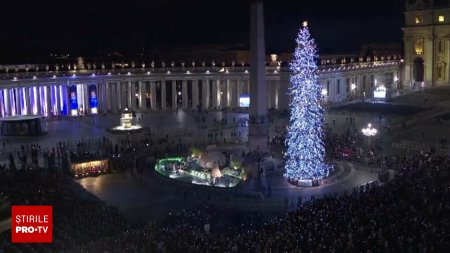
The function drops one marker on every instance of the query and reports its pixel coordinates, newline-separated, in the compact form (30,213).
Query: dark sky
(96,27)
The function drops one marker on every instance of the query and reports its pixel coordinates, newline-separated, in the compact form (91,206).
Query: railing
(33,74)
(121,71)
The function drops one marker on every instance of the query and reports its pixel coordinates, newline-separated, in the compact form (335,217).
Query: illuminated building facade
(426,43)
(91,91)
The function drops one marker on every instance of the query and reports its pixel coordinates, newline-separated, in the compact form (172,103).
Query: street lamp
(369,131)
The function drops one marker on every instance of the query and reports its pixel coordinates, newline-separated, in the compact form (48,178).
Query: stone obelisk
(258,127)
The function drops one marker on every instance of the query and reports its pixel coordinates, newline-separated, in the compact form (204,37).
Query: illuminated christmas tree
(306,151)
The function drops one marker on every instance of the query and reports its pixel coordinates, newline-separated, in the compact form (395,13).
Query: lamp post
(369,131)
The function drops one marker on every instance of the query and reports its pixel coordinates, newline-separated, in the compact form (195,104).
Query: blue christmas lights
(306,152)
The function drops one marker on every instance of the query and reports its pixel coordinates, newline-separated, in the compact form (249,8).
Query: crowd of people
(77,216)
(407,214)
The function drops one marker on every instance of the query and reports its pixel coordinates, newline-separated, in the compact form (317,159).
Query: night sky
(98,27)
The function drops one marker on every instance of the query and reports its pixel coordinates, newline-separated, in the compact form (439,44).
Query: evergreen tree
(306,151)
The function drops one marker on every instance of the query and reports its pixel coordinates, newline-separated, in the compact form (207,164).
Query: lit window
(441,18)
(419,19)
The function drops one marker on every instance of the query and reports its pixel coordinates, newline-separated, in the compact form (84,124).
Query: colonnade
(170,94)
(112,93)
(361,84)
(105,96)
(32,100)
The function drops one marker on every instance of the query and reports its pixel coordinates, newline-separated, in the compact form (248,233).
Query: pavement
(139,197)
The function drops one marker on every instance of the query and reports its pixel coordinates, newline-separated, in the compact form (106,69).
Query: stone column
(99,90)
(53,99)
(117,97)
(113,90)
(11,105)
(3,103)
(124,96)
(258,130)
(194,94)
(19,95)
(7,95)
(238,93)
(27,100)
(408,77)
(101,97)
(142,96)
(214,92)
(118,94)
(277,94)
(107,97)
(205,93)
(153,95)
(104,97)
(6,101)
(33,97)
(6,105)
(23,101)
(57,110)
(48,101)
(359,86)
(174,94)
(229,93)
(112,96)
(221,94)
(333,91)
(19,101)
(133,95)
(184,95)
(87,105)
(163,95)
(13,102)
(130,96)
(38,100)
